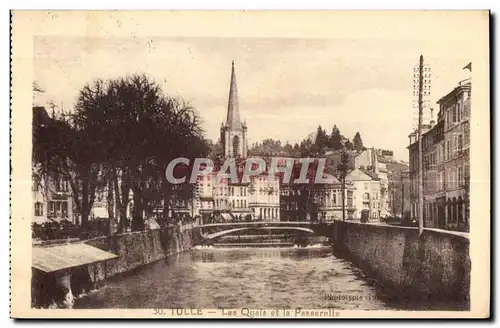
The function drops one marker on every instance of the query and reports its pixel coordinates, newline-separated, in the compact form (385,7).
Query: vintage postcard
(250,164)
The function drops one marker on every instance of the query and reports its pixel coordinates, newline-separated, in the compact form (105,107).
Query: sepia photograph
(250,164)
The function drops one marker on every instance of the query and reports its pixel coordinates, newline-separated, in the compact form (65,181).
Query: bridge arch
(214,235)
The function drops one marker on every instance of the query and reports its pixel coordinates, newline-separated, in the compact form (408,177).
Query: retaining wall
(429,271)
(136,249)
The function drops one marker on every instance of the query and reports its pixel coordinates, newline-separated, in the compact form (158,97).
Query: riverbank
(133,250)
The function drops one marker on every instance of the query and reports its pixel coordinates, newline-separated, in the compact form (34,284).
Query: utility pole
(402,197)
(420,155)
(342,168)
(393,198)
(343,197)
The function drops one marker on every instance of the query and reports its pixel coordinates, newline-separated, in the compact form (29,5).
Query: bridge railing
(239,223)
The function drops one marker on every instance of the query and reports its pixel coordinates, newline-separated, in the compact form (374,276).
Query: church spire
(233,111)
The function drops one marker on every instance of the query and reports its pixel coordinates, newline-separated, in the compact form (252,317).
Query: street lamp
(342,168)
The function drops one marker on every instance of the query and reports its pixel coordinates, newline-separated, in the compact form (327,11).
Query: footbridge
(212,231)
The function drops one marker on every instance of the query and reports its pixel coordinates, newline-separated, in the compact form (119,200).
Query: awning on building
(60,257)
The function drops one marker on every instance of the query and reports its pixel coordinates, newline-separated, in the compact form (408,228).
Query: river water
(242,277)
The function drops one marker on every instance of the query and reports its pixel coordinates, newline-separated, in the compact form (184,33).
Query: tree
(62,147)
(321,142)
(357,142)
(306,204)
(121,135)
(215,148)
(288,149)
(305,148)
(336,139)
(348,145)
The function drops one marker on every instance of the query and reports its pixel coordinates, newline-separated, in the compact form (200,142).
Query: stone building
(446,163)
(227,200)
(367,193)
(414,171)
(432,142)
(455,110)
(328,198)
(325,203)
(264,197)
(52,198)
(370,160)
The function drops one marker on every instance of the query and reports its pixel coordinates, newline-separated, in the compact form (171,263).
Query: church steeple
(234,133)
(233,111)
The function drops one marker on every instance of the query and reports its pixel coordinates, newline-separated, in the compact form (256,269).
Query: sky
(286,86)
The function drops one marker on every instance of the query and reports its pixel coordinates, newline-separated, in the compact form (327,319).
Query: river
(242,277)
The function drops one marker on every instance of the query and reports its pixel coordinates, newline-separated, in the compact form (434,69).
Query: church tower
(234,132)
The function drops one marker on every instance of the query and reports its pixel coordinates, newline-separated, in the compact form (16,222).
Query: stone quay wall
(430,271)
(136,249)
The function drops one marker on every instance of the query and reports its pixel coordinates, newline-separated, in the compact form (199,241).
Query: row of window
(425,93)
(55,209)
(235,203)
(455,177)
(454,114)
(366,196)
(453,212)
(239,191)
(325,217)
(426,68)
(59,185)
(449,149)
(266,213)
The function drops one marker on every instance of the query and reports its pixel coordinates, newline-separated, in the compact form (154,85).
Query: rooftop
(60,257)
(462,86)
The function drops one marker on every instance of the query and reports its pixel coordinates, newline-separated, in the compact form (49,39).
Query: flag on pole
(468,66)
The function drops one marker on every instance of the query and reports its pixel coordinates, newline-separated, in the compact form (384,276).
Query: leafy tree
(122,134)
(62,147)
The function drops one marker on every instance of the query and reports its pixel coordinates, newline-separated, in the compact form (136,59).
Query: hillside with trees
(318,144)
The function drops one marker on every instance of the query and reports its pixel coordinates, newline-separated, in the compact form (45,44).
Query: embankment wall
(140,248)
(430,270)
